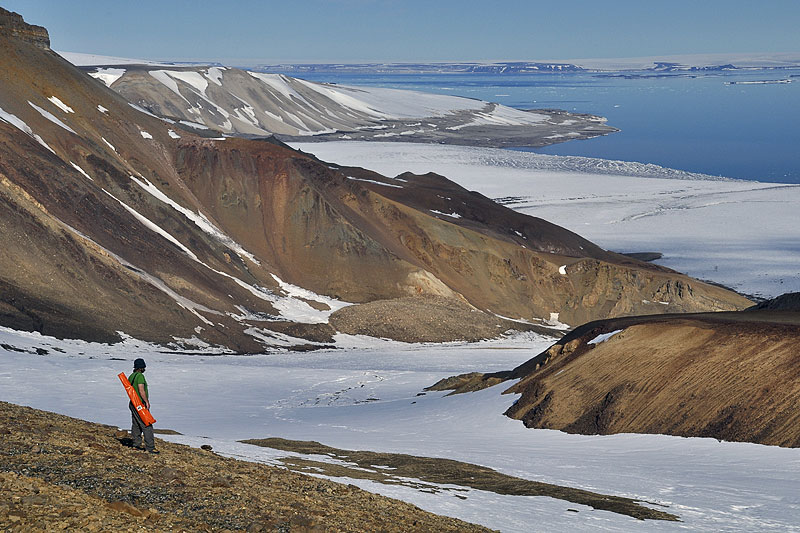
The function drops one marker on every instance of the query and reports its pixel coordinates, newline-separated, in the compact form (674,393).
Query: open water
(699,124)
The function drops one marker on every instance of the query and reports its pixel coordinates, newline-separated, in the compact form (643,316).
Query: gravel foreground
(63,474)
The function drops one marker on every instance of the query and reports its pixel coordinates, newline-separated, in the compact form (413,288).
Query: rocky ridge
(13,24)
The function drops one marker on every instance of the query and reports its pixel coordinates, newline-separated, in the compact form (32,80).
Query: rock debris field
(62,474)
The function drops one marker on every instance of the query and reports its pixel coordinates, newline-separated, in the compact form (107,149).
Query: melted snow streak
(200,220)
(49,116)
(153,226)
(61,105)
(79,169)
(22,126)
(375,182)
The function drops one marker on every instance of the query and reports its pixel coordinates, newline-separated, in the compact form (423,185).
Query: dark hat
(139,363)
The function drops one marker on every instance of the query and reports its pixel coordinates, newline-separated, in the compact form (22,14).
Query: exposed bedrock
(12,24)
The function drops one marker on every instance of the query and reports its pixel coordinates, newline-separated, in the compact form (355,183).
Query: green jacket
(135,379)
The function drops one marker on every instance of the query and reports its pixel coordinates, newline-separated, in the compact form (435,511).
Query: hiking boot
(153,451)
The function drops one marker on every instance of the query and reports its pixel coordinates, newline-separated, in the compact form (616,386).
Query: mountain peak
(13,25)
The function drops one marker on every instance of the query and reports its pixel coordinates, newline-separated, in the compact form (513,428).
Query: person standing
(139,384)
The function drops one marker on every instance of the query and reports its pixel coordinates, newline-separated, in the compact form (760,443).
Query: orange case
(144,414)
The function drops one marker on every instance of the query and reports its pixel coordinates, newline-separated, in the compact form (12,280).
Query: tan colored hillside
(731,376)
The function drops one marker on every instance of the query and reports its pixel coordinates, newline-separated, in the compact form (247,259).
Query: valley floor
(742,234)
(369,397)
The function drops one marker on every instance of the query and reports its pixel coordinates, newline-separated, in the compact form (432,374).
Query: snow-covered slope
(234,101)
(80,59)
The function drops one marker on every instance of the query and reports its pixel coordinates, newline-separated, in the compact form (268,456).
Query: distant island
(697,63)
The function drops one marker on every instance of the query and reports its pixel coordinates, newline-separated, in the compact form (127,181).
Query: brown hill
(785,302)
(62,474)
(731,376)
(114,220)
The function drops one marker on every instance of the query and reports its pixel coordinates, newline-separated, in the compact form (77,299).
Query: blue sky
(248,31)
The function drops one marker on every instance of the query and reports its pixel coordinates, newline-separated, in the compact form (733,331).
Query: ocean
(700,124)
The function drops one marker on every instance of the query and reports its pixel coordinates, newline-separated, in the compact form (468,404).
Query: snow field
(367,398)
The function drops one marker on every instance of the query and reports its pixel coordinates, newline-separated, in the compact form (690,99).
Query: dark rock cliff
(11,24)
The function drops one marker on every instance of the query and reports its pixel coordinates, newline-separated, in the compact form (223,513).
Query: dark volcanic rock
(13,25)
(785,302)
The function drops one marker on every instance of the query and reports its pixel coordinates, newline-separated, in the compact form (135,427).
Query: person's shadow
(126,441)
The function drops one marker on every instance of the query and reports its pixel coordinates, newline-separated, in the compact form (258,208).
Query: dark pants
(138,427)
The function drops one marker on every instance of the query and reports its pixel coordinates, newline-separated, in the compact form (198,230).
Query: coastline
(464,128)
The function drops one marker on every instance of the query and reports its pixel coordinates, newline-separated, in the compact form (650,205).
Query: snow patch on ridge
(603,337)
(23,127)
(215,74)
(108,75)
(452,215)
(195,79)
(52,118)
(61,105)
(164,77)
(200,220)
